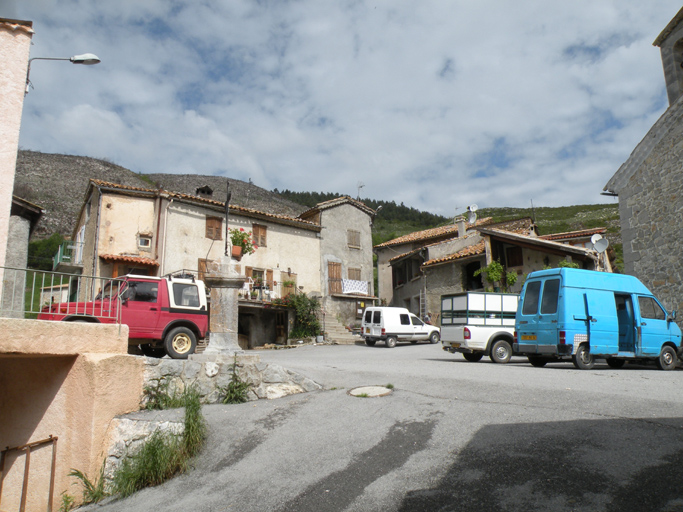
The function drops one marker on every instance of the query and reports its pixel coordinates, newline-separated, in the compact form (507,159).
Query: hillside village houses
(416,269)
(325,253)
(650,186)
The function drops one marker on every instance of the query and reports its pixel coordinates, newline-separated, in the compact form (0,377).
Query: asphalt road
(452,435)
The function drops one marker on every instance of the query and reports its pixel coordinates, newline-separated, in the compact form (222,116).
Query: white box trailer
(478,324)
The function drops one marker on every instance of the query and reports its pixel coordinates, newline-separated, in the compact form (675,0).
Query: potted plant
(242,242)
(254,294)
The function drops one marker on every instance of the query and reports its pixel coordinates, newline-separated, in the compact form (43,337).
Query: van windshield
(530,306)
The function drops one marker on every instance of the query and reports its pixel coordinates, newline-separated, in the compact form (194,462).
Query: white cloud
(434,104)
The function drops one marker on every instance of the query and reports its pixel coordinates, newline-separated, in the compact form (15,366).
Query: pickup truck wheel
(537,362)
(501,351)
(615,363)
(391,342)
(434,338)
(473,357)
(583,359)
(151,351)
(667,359)
(180,343)
(370,343)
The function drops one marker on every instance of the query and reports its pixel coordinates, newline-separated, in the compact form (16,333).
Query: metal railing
(69,253)
(26,293)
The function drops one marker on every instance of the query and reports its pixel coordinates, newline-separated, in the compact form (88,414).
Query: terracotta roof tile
(574,234)
(122,258)
(427,234)
(471,250)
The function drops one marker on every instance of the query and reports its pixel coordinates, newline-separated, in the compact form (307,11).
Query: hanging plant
(241,238)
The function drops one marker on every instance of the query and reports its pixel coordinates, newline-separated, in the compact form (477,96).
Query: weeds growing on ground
(390,386)
(236,392)
(92,491)
(68,502)
(159,398)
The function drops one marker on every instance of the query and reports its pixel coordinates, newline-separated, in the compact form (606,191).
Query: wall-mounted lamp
(87,59)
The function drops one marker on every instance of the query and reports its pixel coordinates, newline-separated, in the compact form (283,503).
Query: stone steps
(337,333)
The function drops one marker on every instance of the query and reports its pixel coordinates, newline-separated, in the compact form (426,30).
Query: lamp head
(87,58)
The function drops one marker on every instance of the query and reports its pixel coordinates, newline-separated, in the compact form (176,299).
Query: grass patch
(389,386)
(161,457)
(362,395)
(164,455)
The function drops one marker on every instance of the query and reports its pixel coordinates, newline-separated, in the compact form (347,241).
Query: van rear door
(600,317)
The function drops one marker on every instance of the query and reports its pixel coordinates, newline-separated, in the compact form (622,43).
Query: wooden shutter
(259,234)
(269,278)
(354,274)
(214,228)
(334,276)
(353,238)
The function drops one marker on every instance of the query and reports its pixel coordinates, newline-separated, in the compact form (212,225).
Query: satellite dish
(601,245)
(595,238)
(471,216)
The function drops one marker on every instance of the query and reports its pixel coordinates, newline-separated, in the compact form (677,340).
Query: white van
(396,324)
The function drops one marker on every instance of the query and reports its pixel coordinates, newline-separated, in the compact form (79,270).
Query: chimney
(460,222)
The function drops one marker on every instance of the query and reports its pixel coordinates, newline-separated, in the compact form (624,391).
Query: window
(377,317)
(186,295)
(353,239)
(514,256)
(650,309)
(405,319)
(416,321)
(142,291)
(550,293)
(354,274)
(144,242)
(530,305)
(259,234)
(214,228)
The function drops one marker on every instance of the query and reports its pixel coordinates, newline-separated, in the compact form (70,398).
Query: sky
(437,104)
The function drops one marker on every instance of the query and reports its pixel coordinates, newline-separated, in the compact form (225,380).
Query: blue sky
(436,104)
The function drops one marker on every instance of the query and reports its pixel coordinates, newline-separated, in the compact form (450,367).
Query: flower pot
(237,252)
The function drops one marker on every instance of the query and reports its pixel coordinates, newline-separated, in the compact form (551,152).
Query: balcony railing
(69,256)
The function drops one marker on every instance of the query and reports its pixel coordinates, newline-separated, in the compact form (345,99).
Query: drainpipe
(97,232)
(162,263)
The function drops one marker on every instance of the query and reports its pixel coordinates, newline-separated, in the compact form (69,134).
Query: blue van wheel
(667,358)
(583,359)
(537,362)
(615,363)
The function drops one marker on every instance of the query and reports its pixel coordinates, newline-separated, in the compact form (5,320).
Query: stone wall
(650,208)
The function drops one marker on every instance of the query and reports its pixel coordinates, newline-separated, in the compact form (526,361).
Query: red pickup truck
(165,315)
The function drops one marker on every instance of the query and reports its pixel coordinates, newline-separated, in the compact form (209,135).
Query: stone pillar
(225,283)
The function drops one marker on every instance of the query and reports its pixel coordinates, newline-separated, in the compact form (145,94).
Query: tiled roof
(471,250)
(337,202)
(417,236)
(203,200)
(122,258)
(573,234)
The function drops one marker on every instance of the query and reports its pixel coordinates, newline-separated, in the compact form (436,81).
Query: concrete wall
(14,282)
(65,380)
(15,41)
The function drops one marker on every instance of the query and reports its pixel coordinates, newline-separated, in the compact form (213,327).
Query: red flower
(241,229)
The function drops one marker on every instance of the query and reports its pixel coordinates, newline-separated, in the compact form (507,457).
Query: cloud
(433,104)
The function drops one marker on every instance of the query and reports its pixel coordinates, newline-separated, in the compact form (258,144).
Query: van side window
(405,320)
(549,300)
(377,317)
(530,306)
(416,321)
(650,309)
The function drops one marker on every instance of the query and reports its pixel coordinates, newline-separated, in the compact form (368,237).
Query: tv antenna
(471,215)
(360,186)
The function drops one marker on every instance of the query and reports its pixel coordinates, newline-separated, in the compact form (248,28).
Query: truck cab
(165,315)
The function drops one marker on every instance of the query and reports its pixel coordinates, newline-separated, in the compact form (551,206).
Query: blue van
(582,314)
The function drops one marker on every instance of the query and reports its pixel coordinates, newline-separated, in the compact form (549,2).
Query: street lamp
(87,59)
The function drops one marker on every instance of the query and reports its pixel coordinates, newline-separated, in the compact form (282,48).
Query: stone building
(650,186)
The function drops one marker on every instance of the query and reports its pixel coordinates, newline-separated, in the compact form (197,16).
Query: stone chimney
(460,222)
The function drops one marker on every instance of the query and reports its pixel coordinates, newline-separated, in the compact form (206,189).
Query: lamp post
(87,59)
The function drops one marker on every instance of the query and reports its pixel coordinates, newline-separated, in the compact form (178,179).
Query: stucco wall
(47,388)
(14,47)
